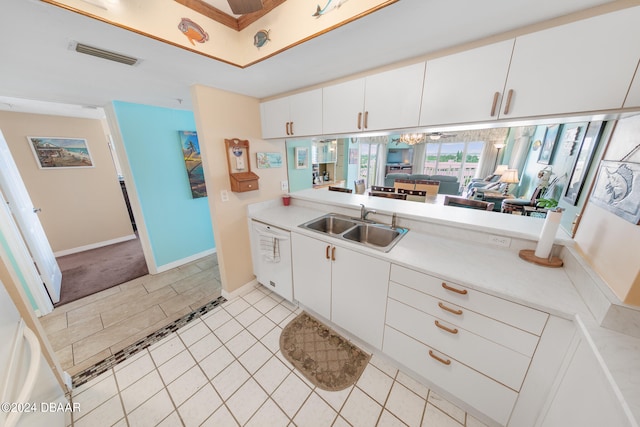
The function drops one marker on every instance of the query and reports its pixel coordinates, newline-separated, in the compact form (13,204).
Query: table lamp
(510,176)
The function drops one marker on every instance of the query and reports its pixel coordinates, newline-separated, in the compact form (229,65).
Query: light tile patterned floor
(93,328)
(226,369)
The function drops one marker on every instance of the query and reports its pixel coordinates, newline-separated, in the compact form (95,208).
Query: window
(368,163)
(459,159)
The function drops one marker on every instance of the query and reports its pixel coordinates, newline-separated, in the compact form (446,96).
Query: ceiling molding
(219,16)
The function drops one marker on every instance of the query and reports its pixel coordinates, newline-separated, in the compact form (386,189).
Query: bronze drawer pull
(458,291)
(508,106)
(495,103)
(333,253)
(439,359)
(326,254)
(449,309)
(366,119)
(291,127)
(444,328)
(359,120)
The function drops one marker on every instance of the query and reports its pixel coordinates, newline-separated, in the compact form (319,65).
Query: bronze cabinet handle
(366,119)
(333,253)
(439,359)
(495,103)
(508,105)
(449,309)
(326,254)
(444,328)
(359,120)
(291,127)
(458,291)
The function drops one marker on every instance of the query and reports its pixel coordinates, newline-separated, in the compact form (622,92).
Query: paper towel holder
(545,243)
(529,255)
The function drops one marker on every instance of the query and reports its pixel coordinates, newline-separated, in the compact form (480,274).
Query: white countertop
(486,268)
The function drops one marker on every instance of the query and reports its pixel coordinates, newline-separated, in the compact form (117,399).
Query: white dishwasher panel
(271,254)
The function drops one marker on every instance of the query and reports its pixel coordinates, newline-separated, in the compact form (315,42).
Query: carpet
(89,272)
(323,356)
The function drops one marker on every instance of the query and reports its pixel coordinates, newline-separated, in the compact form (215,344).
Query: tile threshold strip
(127,352)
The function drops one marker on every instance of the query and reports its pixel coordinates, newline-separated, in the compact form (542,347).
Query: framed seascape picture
(268,160)
(548,145)
(583,162)
(613,189)
(302,157)
(60,153)
(193,162)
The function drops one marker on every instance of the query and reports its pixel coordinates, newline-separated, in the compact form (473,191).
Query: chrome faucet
(393,220)
(364,212)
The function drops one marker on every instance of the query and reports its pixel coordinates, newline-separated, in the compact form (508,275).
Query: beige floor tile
(88,326)
(134,305)
(104,304)
(151,412)
(65,357)
(79,366)
(206,299)
(54,321)
(434,417)
(405,404)
(195,294)
(87,300)
(184,285)
(360,409)
(131,339)
(107,337)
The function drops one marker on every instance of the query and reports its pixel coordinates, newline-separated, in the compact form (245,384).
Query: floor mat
(323,356)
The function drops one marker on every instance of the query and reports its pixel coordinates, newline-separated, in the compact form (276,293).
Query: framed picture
(60,153)
(302,157)
(193,162)
(268,160)
(549,144)
(583,162)
(613,189)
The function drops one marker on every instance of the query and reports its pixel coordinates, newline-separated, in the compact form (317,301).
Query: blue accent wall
(299,179)
(178,225)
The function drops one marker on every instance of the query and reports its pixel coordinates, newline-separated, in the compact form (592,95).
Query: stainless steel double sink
(368,233)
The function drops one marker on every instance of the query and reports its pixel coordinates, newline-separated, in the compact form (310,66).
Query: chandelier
(413,138)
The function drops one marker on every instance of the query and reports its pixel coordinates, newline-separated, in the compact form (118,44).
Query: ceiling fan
(242,7)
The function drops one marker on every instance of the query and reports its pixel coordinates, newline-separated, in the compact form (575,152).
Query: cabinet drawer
(514,314)
(468,385)
(501,333)
(500,363)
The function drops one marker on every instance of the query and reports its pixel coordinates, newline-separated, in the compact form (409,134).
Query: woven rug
(324,357)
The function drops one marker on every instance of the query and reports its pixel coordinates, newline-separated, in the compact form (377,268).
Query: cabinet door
(633,98)
(312,274)
(582,66)
(274,116)
(467,86)
(392,99)
(359,294)
(306,113)
(341,105)
(585,397)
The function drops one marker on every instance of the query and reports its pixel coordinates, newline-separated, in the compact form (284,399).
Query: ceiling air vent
(105,54)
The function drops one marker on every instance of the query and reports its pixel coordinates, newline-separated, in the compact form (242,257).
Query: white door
(27,218)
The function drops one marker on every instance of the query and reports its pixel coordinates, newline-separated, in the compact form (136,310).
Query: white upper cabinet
(385,100)
(295,115)
(586,65)
(467,86)
(343,106)
(633,98)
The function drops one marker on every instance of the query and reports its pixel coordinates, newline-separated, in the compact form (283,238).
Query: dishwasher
(271,254)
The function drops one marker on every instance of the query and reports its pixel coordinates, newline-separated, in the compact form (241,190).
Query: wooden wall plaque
(240,175)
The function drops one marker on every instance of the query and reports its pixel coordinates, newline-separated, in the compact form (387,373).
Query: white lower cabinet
(584,396)
(312,273)
(342,285)
(472,345)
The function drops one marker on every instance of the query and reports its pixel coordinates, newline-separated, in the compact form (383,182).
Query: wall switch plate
(500,241)
(224,195)
(284,185)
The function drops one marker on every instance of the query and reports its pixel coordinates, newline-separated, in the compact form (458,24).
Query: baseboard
(242,290)
(94,245)
(184,261)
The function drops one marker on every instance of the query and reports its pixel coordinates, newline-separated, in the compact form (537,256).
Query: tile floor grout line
(165,388)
